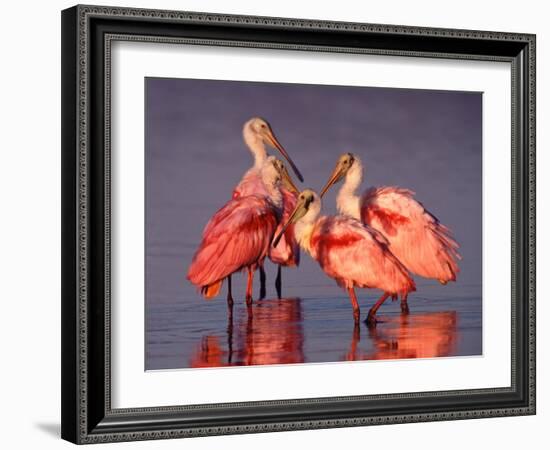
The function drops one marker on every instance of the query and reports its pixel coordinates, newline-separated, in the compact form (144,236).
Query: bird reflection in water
(271,332)
(267,332)
(423,335)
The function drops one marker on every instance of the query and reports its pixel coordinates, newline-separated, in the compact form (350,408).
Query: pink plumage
(357,256)
(417,238)
(237,237)
(287,252)
(251,184)
(353,254)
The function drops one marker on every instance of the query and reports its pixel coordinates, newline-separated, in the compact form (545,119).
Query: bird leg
(353,298)
(249,286)
(404,304)
(371,319)
(229,294)
(278,283)
(262,282)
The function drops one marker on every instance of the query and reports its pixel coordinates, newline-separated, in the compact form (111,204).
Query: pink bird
(238,236)
(257,133)
(287,253)
(416,237)
(353,254)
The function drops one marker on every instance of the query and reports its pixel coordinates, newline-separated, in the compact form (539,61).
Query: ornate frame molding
(80,419)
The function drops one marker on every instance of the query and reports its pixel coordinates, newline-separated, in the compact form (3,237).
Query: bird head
(274,173)
(308,206)
(261,130)
(345,162)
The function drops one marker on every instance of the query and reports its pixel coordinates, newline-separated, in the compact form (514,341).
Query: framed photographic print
(281,224)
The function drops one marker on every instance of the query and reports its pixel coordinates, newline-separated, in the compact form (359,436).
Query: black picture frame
(87,415)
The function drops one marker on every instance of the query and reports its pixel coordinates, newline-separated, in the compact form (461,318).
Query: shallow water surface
(305,330)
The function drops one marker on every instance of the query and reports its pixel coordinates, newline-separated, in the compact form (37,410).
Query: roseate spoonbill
(417,238)
(287,253)
(257,132)
(355,255)
(238,236)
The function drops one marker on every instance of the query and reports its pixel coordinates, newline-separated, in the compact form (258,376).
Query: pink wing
(251,184)
(357,255)
(237,236)
(424,245)
(287,252)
